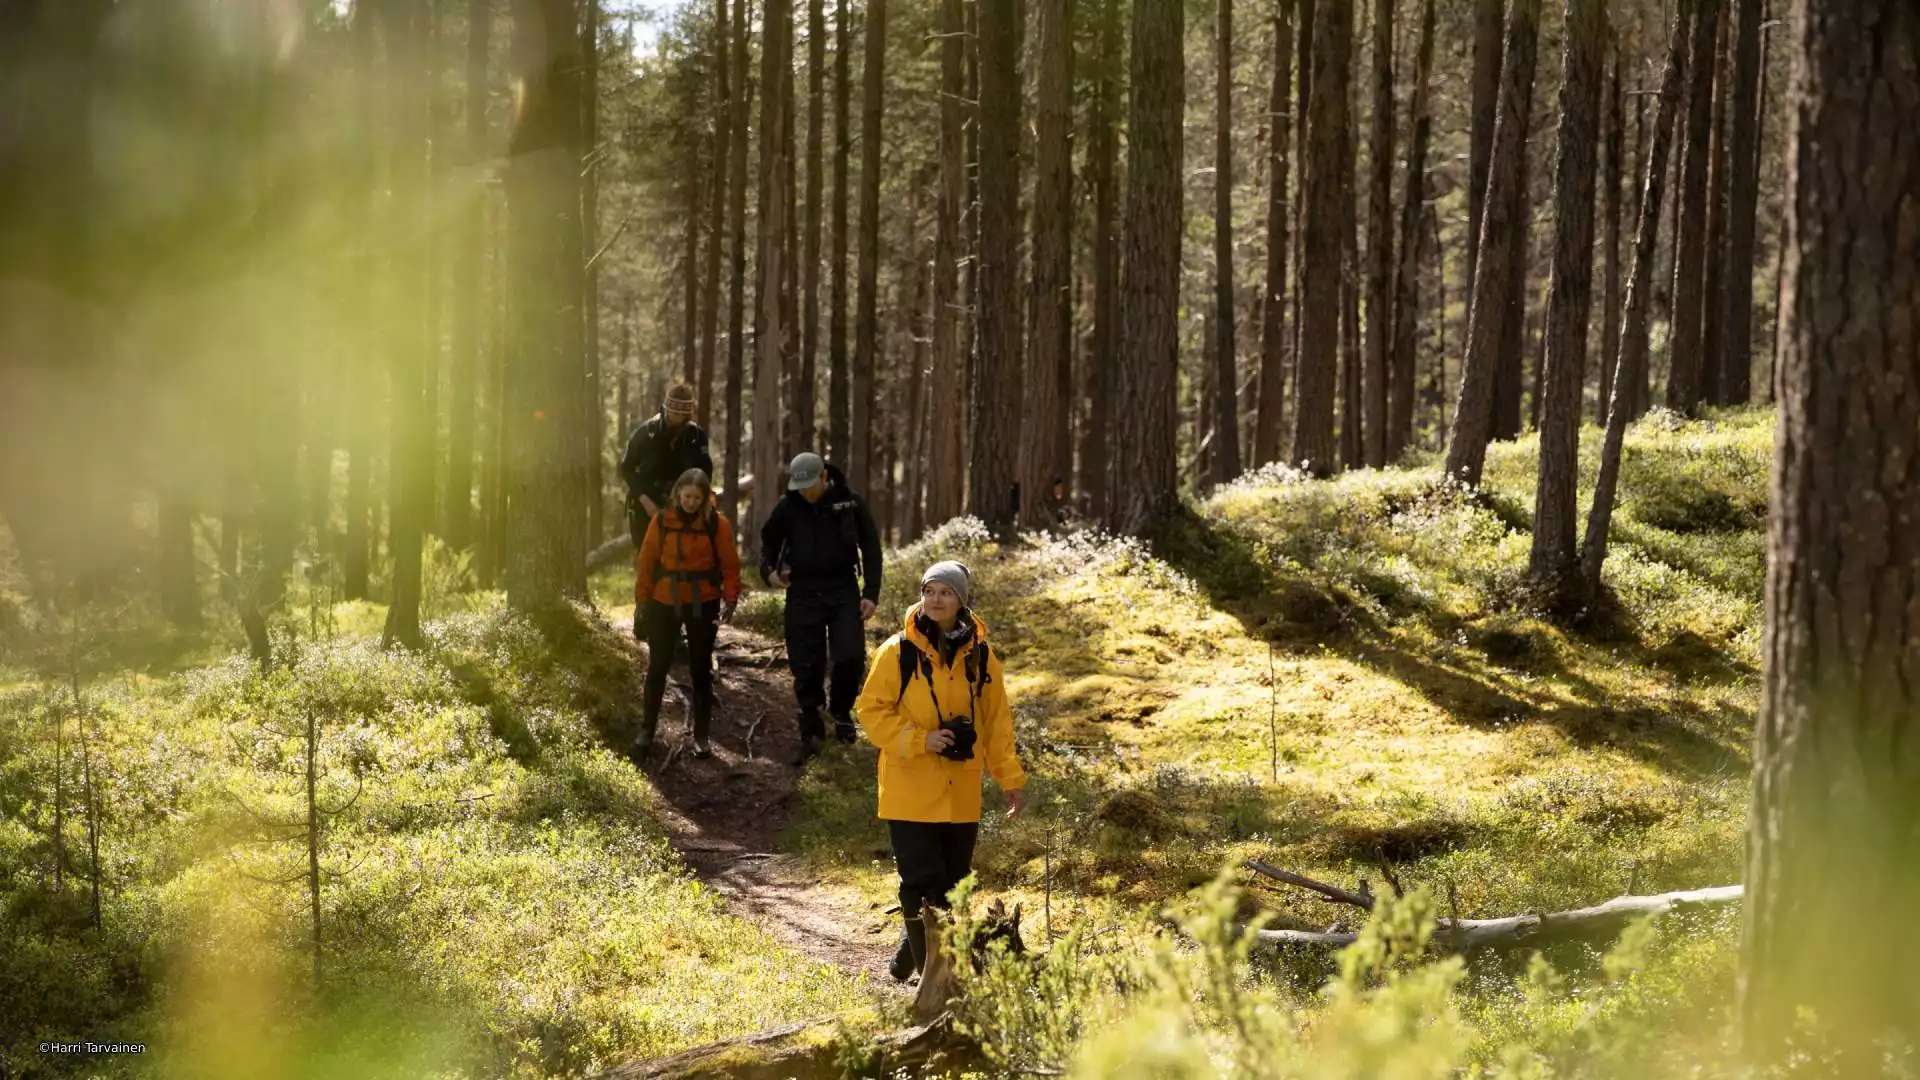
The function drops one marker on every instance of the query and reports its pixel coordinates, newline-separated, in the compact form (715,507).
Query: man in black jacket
(660,450)
(818,535)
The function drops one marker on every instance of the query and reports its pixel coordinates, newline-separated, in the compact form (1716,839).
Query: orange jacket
(916,785)
(676,561)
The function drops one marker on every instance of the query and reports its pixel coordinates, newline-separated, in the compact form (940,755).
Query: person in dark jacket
(659,452)
(820,545)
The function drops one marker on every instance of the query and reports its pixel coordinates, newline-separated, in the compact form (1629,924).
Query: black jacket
(821,543)
(656,456)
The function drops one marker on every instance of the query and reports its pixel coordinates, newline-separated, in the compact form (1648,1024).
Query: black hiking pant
(824,628)
(932,856)
(664,624)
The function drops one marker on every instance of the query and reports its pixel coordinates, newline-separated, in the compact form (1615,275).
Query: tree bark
(1103,151)
(1510,369)
(1493,287)
(1489,20)
(1267,428)
(1713,313)
(1614,136)
(946,450)
(361,368)
(546,540)
(1406,305)
(810,264)
(1380,237)
(1144,414)
(1690,236)
(1051,337)
(770,343)
(1743,204)
(1000,382)
(866,324)
(593,410)
(1324,188)
(1555,562)
(839,420)
(737,105)
(1303,97)
(1835,826)
(469,355)
(719,155)
(1224,452)
(1630,370)
(410,484)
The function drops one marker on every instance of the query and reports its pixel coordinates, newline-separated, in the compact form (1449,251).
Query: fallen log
(1362,900)
(1604,920)
(615,550)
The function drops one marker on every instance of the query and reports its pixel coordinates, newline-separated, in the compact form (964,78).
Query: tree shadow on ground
(1300,615)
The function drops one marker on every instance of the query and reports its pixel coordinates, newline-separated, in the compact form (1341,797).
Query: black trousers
(664,624)
(824,628)
(932,857)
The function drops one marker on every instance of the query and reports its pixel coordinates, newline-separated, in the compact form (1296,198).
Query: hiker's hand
(780,579)
(938,741)
(1013,803)
(651,506)
(726,613)
(867,608)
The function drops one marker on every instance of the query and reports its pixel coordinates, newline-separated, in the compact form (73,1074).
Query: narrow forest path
(724,813)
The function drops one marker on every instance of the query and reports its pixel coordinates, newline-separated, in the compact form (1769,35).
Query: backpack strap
(714,577)
(910,660)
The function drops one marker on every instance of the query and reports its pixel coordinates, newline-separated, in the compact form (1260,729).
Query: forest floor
(724,814)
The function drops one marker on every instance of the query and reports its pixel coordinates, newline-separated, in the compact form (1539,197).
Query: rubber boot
(812,734)
(702,720)
(916,944)
(903,965)
(845,729)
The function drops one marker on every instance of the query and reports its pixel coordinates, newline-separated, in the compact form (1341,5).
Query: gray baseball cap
(805,469)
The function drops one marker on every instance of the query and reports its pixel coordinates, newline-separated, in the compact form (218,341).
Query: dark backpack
(913,660)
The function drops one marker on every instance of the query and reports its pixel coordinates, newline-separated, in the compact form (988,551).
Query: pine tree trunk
(1743,204)
(946,451)
(544,524)
(719,155)
(1380,237)
(1630,376)
(1051,342)
(1712,304)
(1000,384)
(469,356)
(493,433)
(793,439)
(737,105)
(1323,190)
(1509,372)
(1835,827)
(839,421)
(1406,305)
(804,422)
(1303,97)
(361,370)
(1103,151)
(1555,562)
(1493,287)
(410,487)
(592,415)
(1489,21)
(1273,306)
(920,332)
(776,84)
(1615,139)
(694,192)
(1224,456)
(1144,416)
(1690,236)
(866,324)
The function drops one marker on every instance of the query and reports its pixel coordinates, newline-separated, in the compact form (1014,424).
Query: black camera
(961,749)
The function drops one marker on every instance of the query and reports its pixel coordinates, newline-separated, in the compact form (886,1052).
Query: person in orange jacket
(687,574)
(935,703)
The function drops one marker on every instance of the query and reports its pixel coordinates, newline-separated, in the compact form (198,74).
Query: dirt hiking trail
(723,813)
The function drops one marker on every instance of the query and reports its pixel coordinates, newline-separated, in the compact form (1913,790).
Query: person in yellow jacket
(935,703)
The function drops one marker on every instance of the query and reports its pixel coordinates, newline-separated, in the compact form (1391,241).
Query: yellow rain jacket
(915,784)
